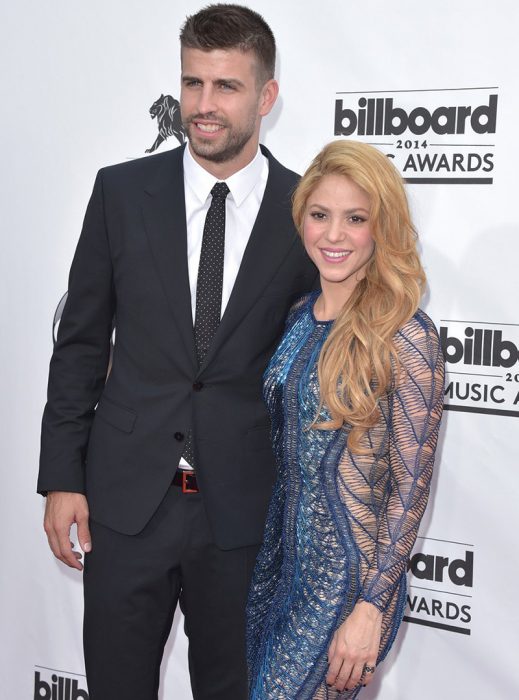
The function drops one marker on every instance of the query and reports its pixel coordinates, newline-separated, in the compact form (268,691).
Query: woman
(355,393)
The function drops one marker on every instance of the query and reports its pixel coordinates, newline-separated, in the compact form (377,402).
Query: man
(167,467)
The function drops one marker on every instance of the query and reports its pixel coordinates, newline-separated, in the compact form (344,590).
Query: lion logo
(167,111)
(57,317)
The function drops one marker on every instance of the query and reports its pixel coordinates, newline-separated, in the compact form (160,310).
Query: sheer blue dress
(340,526)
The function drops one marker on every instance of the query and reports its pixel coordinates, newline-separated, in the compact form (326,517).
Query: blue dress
(340,526)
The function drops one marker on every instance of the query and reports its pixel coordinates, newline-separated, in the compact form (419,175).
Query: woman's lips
(334,256)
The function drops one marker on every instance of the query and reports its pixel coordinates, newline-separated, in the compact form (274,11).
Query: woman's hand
(355,645)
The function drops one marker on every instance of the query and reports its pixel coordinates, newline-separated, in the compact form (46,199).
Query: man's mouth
(208,128)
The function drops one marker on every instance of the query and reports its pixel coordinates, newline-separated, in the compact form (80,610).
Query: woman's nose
(336,231)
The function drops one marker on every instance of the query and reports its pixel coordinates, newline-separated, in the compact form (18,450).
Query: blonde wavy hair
(358,363)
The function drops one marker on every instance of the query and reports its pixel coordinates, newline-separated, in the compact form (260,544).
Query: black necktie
(209,285)
(210,273)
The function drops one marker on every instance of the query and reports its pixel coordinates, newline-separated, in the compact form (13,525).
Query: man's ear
(269,93)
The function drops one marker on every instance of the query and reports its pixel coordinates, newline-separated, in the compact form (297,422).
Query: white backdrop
(78,79)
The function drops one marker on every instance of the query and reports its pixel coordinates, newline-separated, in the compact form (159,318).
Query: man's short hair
(223,26)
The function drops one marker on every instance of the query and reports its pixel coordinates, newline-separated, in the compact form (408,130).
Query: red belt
(186,480)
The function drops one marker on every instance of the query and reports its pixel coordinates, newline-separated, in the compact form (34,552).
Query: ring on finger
(368,669)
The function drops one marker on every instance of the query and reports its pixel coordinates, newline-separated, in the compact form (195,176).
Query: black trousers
(132,585)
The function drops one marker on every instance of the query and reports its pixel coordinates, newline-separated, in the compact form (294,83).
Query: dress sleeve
(415,410)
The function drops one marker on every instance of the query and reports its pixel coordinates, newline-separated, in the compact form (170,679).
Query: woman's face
(337,232)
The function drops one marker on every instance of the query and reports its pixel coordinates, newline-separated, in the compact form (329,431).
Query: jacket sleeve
(79,363)
(415,412)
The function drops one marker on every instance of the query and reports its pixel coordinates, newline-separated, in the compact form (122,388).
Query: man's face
(222,105)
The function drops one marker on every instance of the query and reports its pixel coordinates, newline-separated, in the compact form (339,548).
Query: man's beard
(232,145)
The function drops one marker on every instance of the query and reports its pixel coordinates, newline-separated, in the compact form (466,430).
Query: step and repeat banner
(434,86)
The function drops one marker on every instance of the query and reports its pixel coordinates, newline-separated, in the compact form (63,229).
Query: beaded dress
(340,526)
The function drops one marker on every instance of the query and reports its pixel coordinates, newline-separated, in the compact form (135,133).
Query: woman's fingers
(337,666)
(331,650)
(356,676)
(346,671)
(369,671)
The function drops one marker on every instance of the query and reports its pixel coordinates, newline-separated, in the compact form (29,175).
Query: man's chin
(226,147)
(211,151)
(203,149)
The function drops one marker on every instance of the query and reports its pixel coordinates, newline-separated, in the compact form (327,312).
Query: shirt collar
(240,184)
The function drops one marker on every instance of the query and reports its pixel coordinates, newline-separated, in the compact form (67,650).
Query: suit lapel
(271,238)
(164,215)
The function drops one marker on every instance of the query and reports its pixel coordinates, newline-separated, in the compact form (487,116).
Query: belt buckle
(185,486)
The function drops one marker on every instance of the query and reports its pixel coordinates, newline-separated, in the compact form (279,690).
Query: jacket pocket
(117,416)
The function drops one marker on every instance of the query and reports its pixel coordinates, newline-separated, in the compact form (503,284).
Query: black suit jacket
(119,440)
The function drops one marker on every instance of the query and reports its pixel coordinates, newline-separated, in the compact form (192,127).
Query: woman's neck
(331,300)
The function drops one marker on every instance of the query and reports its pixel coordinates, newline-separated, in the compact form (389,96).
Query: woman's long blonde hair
(358,362)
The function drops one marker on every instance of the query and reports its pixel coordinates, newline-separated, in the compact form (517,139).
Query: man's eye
(226,86)
(193,83)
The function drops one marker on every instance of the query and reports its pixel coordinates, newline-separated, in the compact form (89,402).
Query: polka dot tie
(210,273)
(209,285)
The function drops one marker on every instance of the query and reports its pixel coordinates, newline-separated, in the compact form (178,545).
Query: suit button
(179,436)
(198,386)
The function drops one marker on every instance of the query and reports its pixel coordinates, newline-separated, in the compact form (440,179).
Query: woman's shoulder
(304,300)
(301,305)
(419,332)
(420,320)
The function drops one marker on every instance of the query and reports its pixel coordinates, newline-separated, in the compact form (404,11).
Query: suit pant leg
(131,589)
(132,585)
(215,586)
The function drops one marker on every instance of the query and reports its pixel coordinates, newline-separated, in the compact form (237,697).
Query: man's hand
(61,511)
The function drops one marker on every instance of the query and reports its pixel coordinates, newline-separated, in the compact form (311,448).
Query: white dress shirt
(246,190)
(247,187)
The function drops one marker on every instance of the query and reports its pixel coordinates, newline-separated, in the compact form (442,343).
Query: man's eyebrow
(229,81)
(233,82)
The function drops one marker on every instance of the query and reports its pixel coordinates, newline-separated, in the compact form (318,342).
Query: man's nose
(206,101)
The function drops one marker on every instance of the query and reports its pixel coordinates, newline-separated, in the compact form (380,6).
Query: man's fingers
(83,534)
(61,511)
(62,549)
(53,542)
(67,554)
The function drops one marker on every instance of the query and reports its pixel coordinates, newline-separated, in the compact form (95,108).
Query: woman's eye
(317,215)
(355,219)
